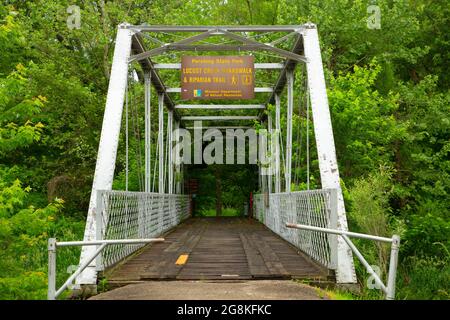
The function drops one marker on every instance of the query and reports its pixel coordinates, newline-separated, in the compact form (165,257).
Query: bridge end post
(333,239)
(86,282)
(326,151)
(395,246)
(51,292)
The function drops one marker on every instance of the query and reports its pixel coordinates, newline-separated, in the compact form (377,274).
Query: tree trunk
(217,174)
(104,20)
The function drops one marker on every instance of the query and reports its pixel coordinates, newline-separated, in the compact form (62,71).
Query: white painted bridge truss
(132,215)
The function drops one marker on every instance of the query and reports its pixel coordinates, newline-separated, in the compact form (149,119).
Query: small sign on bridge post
(217,77)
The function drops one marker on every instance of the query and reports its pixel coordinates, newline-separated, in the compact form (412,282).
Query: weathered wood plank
(217,248)
(256,264)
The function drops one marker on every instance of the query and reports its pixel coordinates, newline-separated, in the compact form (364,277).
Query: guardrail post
(333,225)
(99,226)
(390,295)
(51,293)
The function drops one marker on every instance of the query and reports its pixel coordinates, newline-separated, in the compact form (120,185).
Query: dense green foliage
(237,182)
(389,98)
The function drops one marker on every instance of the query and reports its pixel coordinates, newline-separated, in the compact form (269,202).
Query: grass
(424,279)
(226,212)
(418,278)
(334,294)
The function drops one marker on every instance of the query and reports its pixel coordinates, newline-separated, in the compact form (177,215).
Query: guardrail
(125,221)
(312,207)
(135,215)
(52,293)
(314,212)
(388,289)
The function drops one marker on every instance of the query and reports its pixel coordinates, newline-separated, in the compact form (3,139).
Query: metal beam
(169,143)
(219,47)
(220,106)
(177,66)
(261,169)
(256,28)
(326,151)
(147,65)
(257,90)
(290,108)
(248,45)
(269,65)
(219,127)
(166,47)
(277,145)
(269,129)
(177,164)
(261,90)
(109,140)
(199,47)
(147,100)
(279,40)
(161,143)
(288,65)
(284,53)
(219,118)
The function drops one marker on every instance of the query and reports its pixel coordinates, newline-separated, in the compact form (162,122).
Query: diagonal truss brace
(248,44)
(107,151)
(326,151)
(148,67)
(281,52)
(165,47)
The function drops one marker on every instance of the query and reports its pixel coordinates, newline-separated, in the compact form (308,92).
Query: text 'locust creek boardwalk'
(217,248)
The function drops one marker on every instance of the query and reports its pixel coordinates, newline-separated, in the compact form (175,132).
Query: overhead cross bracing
(158,43)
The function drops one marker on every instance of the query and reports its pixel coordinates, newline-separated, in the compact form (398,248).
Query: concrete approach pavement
(214,290)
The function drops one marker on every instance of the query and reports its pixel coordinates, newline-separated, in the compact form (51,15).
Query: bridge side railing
(135,215)
(125,221)
(308,220)
(52,292)
(313,207)
(389,288)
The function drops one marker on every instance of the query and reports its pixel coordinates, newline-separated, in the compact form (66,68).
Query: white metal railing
(389,288)
(313,207)
(134,215)
(308,220)
(52,292)
(125,221)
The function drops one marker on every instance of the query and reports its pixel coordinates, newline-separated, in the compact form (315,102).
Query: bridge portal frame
(129,47)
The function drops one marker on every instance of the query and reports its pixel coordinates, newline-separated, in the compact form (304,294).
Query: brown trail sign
(217,77)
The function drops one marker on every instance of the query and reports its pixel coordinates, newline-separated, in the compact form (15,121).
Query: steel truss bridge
(141,235)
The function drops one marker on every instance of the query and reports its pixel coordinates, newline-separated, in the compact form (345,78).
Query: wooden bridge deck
(217,248)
